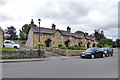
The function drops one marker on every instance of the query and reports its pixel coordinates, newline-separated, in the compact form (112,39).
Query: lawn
(10,49)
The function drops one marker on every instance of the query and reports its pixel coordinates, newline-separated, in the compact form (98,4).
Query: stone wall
(64,52)
(22,54)
(1,38)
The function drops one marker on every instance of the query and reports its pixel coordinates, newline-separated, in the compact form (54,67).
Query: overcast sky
(83,15)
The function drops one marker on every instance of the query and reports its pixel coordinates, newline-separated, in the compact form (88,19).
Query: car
(107,51)
(92,53)
(10,44)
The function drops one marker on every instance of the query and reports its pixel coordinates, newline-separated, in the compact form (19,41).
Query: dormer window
(71,37)
(53,36)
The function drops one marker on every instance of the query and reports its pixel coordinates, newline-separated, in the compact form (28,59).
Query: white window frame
(30,43)
(62,43)
(61,36)
(53,35)
(53,43)
(41,42)
(70,37)
(70,43)
(30,35)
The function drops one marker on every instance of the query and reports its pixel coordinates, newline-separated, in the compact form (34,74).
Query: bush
(40,44)
(100,45)
(83,48)
(53,47)
(59,45)
(76,46)
(63,47)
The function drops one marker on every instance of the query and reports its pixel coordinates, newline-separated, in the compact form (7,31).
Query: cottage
(1,37)
(53,37)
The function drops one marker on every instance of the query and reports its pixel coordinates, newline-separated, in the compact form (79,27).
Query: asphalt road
(68,68)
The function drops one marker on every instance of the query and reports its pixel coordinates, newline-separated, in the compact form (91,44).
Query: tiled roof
(50,31)
(43,30)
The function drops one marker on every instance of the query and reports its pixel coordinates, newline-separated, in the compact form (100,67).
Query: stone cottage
(1,37)
(53,37)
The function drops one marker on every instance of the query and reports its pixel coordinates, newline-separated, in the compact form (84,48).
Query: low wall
(64,52)
(22,54)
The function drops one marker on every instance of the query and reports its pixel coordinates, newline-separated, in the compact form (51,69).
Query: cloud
(78,14)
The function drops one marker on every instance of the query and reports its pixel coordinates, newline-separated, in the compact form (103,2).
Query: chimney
(68,29)
(53,27)
(86,34)
(32,23)
(90,36)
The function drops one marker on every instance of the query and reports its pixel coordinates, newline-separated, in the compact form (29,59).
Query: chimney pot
(53,27)
(68,29)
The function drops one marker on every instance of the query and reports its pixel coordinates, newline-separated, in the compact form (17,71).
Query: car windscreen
(90,50)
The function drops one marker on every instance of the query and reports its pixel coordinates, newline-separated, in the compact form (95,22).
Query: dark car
(92,53)
(107,51)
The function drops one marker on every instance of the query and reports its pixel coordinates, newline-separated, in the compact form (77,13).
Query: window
(82,40)
(62,43)
(53,36)
(89,40)
(61,37)
(76,39)
(41,35)
(70,37)
(30,43)
(70,43)
(30,35)
(53,43)
(41,42)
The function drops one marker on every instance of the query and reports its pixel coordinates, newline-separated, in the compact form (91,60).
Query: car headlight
(87,53)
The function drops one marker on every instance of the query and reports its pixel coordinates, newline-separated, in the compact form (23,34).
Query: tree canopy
(24,32)
(10,32)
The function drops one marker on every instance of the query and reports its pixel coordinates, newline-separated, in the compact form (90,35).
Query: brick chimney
(32,23)
(86,34)
(68,29)
(53,27)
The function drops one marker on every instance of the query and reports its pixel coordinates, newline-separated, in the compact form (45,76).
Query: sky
(83,15)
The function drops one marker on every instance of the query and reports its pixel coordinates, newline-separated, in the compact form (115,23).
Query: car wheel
(107,55)
(112,54)
(92,56)
(103,55)
(15,47)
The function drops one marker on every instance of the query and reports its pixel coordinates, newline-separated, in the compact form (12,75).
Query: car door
(98,53)
(6,44)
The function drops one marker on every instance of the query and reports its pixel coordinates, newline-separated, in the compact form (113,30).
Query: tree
(10,32)
(105,42)
(117,42)
(99,35)
(24,32)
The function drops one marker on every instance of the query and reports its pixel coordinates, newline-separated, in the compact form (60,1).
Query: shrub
(63,47)
(59,45)
(83,48)
(40,44)
(100,45)
(53,47)
(76,46)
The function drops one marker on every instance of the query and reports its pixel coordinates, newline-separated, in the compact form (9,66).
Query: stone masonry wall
(22,54)
(64,52)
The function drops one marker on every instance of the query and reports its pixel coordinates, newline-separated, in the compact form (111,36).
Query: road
(68,68)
